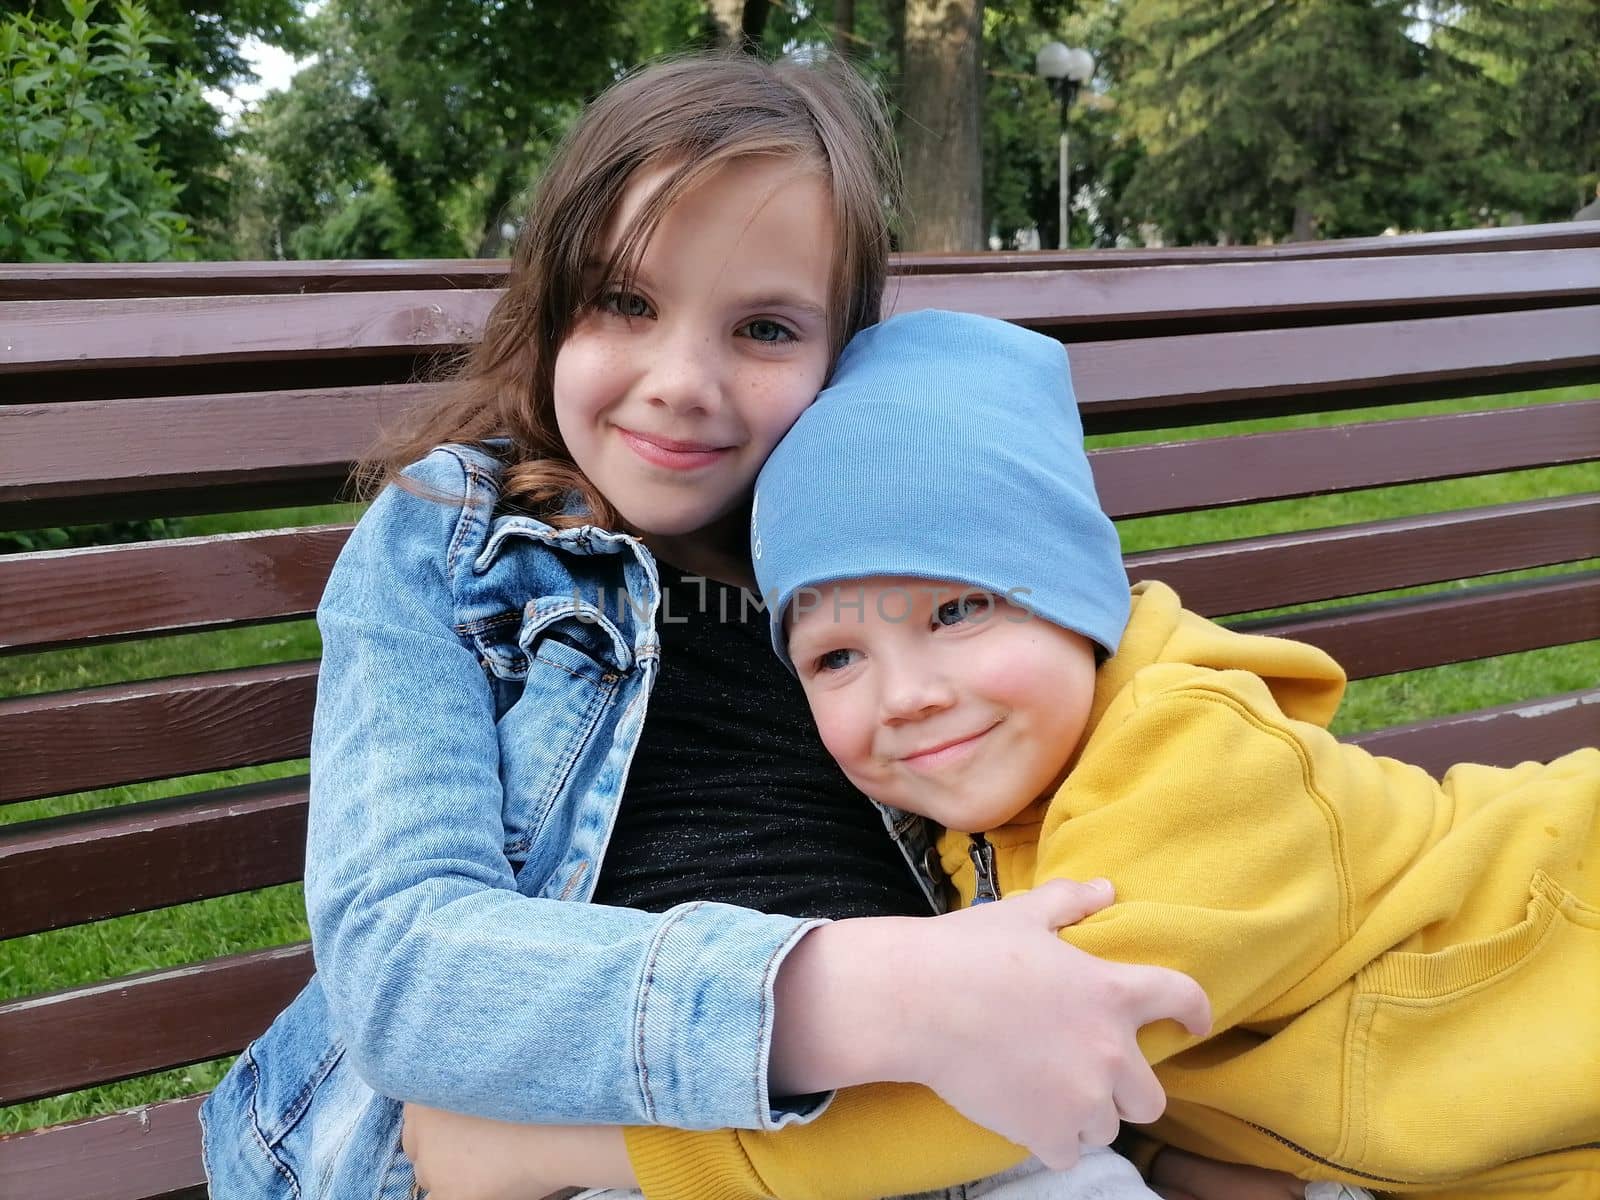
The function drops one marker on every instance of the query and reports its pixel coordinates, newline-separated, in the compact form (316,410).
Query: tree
(739,22)
(940,127)
(1526,72)
(201,40)
(1266,118)
(430,162)
(80,174)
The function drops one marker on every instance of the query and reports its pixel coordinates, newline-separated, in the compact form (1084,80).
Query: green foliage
(205,40)
(113,533)
(80,175)
(366,153)
(1526,73)
(1263,118)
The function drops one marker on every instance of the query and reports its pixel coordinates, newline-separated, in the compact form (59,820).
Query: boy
(1404,975)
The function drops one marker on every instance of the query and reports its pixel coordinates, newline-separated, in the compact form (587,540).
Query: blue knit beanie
(946,447)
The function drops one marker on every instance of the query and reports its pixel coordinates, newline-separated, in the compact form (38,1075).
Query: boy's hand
(1040,1039)
(457,1157)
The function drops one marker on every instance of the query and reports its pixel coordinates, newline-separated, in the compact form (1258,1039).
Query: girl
(709,236)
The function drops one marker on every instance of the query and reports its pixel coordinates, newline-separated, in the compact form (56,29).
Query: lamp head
(1080,66)
(1052,61)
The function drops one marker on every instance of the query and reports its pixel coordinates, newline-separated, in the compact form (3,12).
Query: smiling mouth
(672,454)
(945,753)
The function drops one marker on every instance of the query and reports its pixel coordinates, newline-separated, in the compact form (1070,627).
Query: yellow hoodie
(1404,974)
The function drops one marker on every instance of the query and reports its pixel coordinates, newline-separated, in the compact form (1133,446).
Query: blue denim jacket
(483,685)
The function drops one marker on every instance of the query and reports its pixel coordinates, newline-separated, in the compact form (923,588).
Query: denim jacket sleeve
(448,986)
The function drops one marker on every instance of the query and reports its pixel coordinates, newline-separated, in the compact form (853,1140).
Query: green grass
(105,949)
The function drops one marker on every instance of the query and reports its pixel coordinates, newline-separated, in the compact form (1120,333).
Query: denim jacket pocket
(570,660)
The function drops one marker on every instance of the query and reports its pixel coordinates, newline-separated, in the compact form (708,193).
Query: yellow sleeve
(883,1139)
(1199,803)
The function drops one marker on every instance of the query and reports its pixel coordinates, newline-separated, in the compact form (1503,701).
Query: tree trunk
(844,27)
(941,125)
(1305,224)
(740,22)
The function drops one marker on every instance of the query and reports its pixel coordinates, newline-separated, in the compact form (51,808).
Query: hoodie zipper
(1338,1166)
(988,886)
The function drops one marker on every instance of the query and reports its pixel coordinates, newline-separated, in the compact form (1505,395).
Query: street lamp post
(1065,69)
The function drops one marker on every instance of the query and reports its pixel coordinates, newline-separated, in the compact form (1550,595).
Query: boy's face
(939,699)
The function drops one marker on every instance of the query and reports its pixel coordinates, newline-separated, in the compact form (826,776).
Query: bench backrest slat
(94,281)
(1167,477)
(85,461)
(99,1032)
(136,857)
(185,585)
(1269,372)
(99,335)
(132,732)
(1527,731)
(1251,574)
(129,733)
(79,460)
(150,1153)
(192,584)
(1426,631)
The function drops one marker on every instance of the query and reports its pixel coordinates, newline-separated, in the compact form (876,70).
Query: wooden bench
(162,390)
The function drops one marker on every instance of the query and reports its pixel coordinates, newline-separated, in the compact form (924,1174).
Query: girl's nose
(684,374)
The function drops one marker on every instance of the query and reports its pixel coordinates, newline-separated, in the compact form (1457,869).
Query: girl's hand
(1014,1028)
(457,1157)
(1178,1175)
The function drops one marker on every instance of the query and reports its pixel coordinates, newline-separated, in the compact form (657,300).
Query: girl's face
(671,395)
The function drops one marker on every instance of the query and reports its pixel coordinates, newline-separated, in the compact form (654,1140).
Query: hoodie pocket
(1479,1054)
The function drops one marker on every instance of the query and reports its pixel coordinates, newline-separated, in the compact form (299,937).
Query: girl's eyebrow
(793,303)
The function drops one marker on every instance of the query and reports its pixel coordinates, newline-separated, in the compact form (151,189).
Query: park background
(415,129)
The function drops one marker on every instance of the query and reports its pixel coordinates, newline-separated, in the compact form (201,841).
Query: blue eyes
(769,331)
(969,607)
(834,660)
(633,307)
(953,612)
(625,304)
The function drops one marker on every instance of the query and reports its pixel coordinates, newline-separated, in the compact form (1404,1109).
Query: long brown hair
(691,115)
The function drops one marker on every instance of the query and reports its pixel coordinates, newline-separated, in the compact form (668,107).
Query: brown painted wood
(1213,377)
(1137,481)
(74,462)
(136,857)
(1526,731)
(1550,236)
(146,1153)
(101,1032)
(135,732)
(68,335)
(198,331)
(252,439)
(1390,636)
(66,469)
(191,584)
(276,375)
(101,281)
(1199,297)
(132,732)
(186,585)
(1250,574)
(127,281)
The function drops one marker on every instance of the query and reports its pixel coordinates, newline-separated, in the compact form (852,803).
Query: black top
(731,795)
